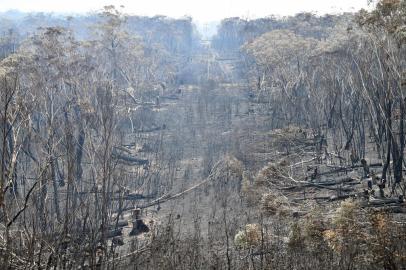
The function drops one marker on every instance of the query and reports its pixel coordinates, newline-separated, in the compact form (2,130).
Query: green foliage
(280,47)
(296,238)
(388,15)
(249,237)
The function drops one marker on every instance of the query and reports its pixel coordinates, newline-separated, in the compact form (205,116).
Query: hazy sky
(202,10)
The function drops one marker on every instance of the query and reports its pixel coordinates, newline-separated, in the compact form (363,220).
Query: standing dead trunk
(55,187)
(388,138)
(398,162)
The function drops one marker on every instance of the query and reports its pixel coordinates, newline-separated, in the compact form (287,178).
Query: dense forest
(130,142)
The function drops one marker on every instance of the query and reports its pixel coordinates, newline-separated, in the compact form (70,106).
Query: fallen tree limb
(134,197)
(167,197)
(324,184)
(349,168)
(119,224)
(311,198)
(341,197)
(302,162)
(395,209)
(335,182)
(129,159)
(383,202)
(150,129)
(344,189)
(114,232)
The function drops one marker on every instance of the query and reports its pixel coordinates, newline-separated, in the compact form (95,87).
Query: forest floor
(215,125)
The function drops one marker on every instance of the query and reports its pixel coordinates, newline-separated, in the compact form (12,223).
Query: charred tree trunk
(388,138)
(398,162)
(55,186)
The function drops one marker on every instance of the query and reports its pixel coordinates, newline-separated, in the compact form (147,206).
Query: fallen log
(311,198)
(111,193)
(130,160)
(335,182)
(384,201)
(396,209)
(302,162)
(321,198)
(114,233)
(353,183)
(324,184)
(119,224)
(343,189)
(134,197)
(341,197)
(349,168)
(151,129)
(167,197)
(122,149)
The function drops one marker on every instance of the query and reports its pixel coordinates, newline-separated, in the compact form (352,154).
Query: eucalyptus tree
(280,60)
(387,30)
(15,121)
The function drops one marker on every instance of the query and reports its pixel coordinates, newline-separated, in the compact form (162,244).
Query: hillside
(127,142)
